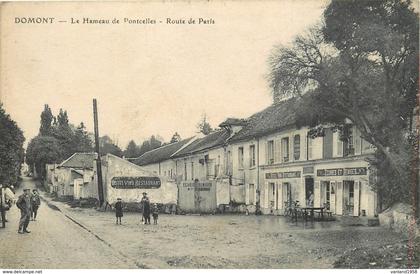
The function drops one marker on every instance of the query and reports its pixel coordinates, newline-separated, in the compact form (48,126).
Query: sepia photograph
(208,135)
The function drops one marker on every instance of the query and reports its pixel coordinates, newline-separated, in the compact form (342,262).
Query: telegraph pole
(98,160)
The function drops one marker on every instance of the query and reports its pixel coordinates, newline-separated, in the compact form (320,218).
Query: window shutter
(357,141)
(277,151)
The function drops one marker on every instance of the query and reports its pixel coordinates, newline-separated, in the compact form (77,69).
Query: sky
(148,79)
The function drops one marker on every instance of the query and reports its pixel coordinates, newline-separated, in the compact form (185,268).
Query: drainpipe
(258,202)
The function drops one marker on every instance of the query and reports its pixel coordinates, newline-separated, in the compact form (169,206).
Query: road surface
(54,242)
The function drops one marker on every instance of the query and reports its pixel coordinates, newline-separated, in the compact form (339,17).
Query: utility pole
(98,160)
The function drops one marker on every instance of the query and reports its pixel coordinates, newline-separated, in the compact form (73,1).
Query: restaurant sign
(281,175)
(342,171)
(141,182)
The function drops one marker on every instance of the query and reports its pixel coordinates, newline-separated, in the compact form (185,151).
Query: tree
(360,66)
(150,144)
(204,126)
(107,145)
(64,134)
(11,148)
(82,142)
(46,120)
(43,150)
(175,138)
(132,150)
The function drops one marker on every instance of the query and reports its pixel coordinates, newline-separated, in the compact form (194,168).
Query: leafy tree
(175,138)
(43,150)
(107,145)
(204,126)
(11,148)
(46,120)
(360,66)
(132,150)
(150,144)
(82,141)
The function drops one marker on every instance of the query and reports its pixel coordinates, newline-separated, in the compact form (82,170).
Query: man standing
(146,208)
(24,204)
(6,200)
(36,202)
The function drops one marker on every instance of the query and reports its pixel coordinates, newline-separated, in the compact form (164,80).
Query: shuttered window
(296,147)
(270,152)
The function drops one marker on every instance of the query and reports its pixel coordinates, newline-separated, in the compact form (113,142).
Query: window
(217,166)
(241,157)
(270,152)
(349,144)
(192,170)
(185,171)
(285,149)
(229,163)
(296,147)
(251,155)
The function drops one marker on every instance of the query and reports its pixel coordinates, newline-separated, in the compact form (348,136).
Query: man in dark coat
(146,208)
(24,204)
(36,202)
(119,210)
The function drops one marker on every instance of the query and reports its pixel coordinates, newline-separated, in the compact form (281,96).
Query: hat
(26,189)
(144,192)
(118,198)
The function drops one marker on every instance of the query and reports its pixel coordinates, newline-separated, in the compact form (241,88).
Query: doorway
(286,195)
(272,196)
(309,191)
(348,197)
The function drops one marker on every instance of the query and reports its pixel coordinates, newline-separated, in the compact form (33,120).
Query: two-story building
(279,164)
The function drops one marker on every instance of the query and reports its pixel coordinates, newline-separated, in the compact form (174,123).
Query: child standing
(155,214)
(118,210)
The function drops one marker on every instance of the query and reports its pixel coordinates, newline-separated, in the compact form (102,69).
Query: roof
(79,160)
(161,153)
(211,140)
(233,122)
(273,118)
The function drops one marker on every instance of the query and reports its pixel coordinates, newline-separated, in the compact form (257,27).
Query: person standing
(146,208)
(35,203)
(24,204)
(119,209)
(6,200)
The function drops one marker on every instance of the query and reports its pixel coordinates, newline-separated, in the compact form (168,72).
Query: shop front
(282,188)
(344,189)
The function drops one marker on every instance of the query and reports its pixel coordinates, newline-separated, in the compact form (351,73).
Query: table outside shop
(311,210)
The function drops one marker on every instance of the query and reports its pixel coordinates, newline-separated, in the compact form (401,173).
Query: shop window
(270,152)
(241,157)
(296,147)
(285,149)
(251,155)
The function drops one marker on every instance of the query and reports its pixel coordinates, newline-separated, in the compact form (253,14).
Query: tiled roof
(80,160)
(212,140)
(160,154)
(269,120)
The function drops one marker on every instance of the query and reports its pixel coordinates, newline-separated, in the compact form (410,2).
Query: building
(126,180)
(73,177)
(279,163)
(159,159)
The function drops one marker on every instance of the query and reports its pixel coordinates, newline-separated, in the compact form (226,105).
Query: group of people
(28,203)
(145,206)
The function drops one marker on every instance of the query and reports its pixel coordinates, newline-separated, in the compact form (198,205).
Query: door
(333,195)
(326,194)
(309,191)
(251,194)
(286,195)
(272,196)
(348,197)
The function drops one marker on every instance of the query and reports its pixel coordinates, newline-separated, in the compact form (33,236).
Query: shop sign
(342,171)
(197,186)
(142,182)
(280,175)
